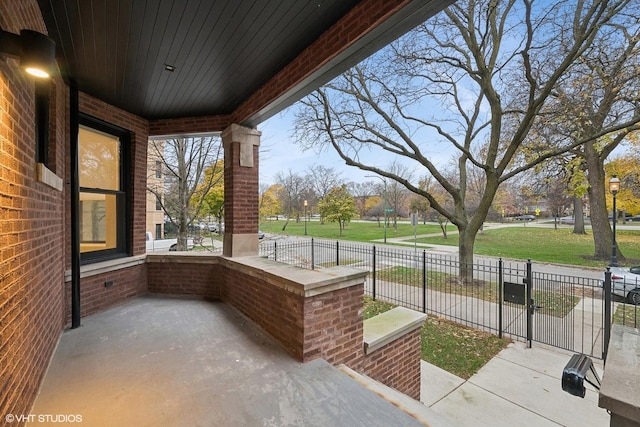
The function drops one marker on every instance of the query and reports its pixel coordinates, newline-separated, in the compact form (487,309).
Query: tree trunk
(443,227)
(578,216)
(466,240)
(602,233)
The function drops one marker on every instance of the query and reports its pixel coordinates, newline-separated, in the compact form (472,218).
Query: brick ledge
(387,327)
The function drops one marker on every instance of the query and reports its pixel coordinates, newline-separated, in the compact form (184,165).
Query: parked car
(634,218)
(525,218)
(567,220)
(154,245)
(260,234)
(626,283)
(216,228)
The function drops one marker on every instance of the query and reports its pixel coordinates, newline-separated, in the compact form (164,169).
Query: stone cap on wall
(387,327)
(293,279)
(620,390)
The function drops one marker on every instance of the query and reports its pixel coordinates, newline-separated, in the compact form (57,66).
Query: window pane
(98,222)
(99,156)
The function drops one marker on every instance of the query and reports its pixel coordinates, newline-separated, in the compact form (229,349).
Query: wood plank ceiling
(221,51)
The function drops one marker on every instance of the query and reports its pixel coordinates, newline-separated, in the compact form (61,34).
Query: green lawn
(555,304)
(559,246)
(627,314)
(448,345)
(364,231)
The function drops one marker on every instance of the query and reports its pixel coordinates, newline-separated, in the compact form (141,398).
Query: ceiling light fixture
(36,51)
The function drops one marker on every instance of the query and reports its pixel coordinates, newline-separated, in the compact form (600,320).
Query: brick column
(240,190)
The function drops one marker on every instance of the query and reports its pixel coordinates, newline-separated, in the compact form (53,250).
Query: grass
(342,262)
(365,231)
(627,314)
(559,246)
(551,303)
(448,345)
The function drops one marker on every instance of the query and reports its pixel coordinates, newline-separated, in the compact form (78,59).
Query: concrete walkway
(518,387)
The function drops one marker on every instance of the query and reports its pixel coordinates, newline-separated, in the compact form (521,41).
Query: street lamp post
(305,217)
(614,187)
(384,202)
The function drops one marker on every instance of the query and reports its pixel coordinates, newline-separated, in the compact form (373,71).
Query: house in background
(155,180)
(74,162)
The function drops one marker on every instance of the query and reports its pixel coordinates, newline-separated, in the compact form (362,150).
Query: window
(158,169)
(158,203)
(104,212)
(158,231)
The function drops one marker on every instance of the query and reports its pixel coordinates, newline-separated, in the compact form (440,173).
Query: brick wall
(241,192)
(328,325)
(333,322)
(397,364)
(31,226)
(95,296)
(189,125)
(174,274)
(278,312)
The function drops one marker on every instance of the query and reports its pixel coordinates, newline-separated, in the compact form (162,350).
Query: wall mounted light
(35,50)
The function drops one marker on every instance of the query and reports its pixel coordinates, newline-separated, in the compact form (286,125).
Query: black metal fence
(505,298)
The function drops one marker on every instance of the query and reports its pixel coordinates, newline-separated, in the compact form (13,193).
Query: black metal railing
(507,298)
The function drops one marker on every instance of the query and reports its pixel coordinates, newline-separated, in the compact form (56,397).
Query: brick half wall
(311,314)
(397,364)
(104,285)
(195,275)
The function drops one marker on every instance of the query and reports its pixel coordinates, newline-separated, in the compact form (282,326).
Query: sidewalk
(519,387)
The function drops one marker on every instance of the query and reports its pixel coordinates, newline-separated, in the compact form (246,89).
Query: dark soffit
(222,51)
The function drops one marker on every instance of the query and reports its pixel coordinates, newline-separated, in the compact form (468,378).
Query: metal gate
(562,311)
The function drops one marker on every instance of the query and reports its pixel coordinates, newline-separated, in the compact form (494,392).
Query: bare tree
(479,74)
(321,180)
(292,194)
(361,192)
(184,181)
(557,198)
(397,194)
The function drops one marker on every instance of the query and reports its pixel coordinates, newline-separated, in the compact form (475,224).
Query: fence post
(275,250)
(500,296)
(530,308)
(313,258)
(424,281)
(607,313)
(374,273)
(337,252)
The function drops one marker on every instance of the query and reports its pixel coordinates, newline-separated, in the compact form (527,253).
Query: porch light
(35,50)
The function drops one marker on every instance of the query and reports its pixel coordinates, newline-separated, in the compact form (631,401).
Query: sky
(279,153)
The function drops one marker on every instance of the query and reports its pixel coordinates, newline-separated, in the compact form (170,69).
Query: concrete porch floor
(179,362)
